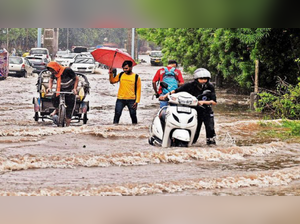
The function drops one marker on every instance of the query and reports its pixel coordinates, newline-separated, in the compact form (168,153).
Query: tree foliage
(26,38)
(282,103)
(231,52)
(91,37)
(19,38)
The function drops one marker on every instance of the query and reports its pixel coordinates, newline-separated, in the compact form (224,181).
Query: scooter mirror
(164,85)
(206,94)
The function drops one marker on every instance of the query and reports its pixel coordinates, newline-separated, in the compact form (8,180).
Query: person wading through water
(205,113)
(66,81)
(129,93)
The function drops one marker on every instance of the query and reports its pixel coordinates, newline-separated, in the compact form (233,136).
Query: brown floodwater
(99,158)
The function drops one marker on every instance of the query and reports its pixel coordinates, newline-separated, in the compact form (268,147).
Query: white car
(20,67)
(66,59)
(40,52)
(84,64)
(61,53)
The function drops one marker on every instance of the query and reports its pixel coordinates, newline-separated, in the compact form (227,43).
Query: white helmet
(201,73)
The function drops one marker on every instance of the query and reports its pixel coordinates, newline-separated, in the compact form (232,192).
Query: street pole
(67,38)
(132,42)
(253,95)
(39,37)
(7,40)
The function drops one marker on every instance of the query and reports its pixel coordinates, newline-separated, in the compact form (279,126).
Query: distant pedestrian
(171,75)
(13,52)
(129,93)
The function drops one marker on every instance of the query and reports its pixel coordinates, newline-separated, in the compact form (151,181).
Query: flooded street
(99,158)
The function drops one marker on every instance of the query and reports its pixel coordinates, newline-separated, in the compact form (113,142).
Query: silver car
(65,59)
(84,64)
(19,66)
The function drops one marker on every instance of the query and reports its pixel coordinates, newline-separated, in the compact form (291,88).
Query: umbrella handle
(113,60)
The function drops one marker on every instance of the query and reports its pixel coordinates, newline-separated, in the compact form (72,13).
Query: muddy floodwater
(99,158)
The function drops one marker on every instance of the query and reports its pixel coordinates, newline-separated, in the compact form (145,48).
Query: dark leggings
(206,117)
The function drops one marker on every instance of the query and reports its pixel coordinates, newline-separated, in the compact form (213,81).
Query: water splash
(262,179)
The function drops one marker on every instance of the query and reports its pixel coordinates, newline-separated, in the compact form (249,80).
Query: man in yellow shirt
(129,93)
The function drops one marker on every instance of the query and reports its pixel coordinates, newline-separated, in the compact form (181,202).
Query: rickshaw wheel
(85,119)
(36,116)
(61,116)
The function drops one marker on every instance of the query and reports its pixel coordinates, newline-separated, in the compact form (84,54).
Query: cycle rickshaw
(43,105)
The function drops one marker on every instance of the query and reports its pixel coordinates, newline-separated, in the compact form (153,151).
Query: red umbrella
(112,57)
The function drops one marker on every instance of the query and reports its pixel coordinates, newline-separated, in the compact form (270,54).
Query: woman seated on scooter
(66,81)
(205,113)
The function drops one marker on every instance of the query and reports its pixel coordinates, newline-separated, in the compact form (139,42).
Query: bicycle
(43,103)
(62,108)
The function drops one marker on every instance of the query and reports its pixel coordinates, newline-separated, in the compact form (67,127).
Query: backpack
(169,77)
(135,84)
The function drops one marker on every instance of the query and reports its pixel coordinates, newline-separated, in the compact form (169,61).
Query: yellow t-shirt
(126,89)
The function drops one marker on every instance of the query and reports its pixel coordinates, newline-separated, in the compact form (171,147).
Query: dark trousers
(120,104)
(70,103)
(206,117)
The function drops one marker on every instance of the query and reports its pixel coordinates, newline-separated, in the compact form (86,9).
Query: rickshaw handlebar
(63,92)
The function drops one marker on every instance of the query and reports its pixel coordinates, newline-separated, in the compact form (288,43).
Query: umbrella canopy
(112,57)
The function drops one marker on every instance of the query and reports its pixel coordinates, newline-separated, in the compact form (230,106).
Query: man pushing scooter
(205,113)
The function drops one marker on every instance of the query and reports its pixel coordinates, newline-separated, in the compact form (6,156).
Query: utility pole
(253,95)
(7,39)
(132,42)
(39,37)
(26,45)
(67,38)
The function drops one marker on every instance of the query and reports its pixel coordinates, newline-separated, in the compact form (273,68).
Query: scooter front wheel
(179,143)
(151,141)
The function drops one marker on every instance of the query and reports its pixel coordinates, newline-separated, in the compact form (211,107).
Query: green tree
(231,53)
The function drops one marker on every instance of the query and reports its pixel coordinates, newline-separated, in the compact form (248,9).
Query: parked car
(66,59)
(19,66)
(83,64)
(25,54)
(156,58)
(59,54)
(39,64)
(40,52)
(79,49)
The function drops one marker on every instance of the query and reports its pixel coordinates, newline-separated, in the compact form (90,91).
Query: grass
(286,130)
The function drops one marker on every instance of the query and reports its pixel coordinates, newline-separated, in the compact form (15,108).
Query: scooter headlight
(191,119)
(175,117)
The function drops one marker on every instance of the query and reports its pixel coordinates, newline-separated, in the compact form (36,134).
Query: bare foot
(68,121)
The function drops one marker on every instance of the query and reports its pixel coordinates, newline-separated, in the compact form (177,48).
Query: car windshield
(80,49)
(69,56)
(156,54)
(15,61)
(62,52)
(38,52)
(84,60)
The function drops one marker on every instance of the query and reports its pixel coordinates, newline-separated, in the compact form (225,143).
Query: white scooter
(175,124)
